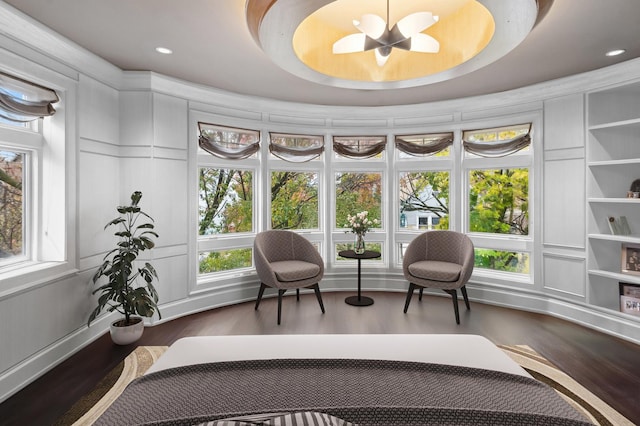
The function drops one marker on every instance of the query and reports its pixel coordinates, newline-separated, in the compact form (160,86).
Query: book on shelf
(619,225)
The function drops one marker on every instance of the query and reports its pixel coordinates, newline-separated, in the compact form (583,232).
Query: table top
(368,254)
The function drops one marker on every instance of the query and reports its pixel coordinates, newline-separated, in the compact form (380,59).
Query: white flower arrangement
(360,223)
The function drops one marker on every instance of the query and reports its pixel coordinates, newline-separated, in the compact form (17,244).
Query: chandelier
(375,34)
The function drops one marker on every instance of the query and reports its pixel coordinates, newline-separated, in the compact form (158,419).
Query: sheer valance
(228,142)
(359,147)
(23,101)
(423,145)
(296,148)
(498,147)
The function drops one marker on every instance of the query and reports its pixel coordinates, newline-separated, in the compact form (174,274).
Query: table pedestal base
(359,301)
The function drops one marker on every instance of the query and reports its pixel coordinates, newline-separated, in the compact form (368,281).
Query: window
(227,170)
(497,163)
(356,192)
(12,209)
(32,242)
(424,200)
(294,200)
(226,201)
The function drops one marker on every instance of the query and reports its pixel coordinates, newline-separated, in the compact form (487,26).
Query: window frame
(520,159)
(51,141)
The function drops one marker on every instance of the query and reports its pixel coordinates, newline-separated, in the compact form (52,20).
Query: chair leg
(466,298)
(316,288)
(260,293)
(297,294)
(412,287)
(280,294)
(454,298)
(421,290)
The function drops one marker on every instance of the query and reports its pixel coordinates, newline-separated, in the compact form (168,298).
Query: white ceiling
(212,46)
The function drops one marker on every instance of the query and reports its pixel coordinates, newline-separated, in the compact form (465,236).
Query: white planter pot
(125,335)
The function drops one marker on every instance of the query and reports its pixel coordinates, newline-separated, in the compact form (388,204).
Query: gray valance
(296,148)
(498,148)
(359,147)
(228,142)
(22,101)
(423,145)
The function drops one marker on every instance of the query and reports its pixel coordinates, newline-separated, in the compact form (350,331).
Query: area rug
(90,407)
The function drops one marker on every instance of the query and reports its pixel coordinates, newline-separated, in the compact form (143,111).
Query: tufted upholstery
(439,259)
(286,260)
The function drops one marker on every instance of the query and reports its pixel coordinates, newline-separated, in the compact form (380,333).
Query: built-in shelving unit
(613,163)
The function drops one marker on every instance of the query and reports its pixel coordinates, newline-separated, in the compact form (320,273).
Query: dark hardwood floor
(607,366)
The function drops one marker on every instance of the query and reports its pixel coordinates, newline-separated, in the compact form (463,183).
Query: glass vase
(358,246)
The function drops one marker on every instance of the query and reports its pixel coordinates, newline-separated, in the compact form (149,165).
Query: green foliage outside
(294,200)
(499,201)
(428,192)
(356,192)
(226,198)
(505,261)
(498,204)
(225,260)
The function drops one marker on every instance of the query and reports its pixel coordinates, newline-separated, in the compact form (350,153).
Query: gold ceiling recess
(462,36)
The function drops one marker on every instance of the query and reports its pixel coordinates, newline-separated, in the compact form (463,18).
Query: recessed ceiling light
(615,52)
(164,50)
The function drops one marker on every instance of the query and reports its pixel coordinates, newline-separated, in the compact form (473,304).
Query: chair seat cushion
(435,270)
(294,270)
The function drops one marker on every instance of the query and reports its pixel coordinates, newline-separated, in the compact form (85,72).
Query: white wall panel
(564,122)
(136,125)
(98,111)
(30,321)
(173,278)
(170,204)
(170,122)
(564,200)
(565,274)
(98,196)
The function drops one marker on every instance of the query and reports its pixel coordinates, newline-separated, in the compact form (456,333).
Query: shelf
(634,239)
(634,122)
(618,276)
(615,200)
(624,162)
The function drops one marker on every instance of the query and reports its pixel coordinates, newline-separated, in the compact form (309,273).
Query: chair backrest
(447,246)
(279,244)
(442,245)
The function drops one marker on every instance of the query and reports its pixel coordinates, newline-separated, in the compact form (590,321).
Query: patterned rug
(90,407)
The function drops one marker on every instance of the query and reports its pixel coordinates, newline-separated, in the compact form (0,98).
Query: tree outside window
(226,206)
(499,201)
(294,200)
(226,201)
(11,204)
(424,200)
(356,192)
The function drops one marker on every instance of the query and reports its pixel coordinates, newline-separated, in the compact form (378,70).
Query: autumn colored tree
(356,192)
(294,200)
(11,211)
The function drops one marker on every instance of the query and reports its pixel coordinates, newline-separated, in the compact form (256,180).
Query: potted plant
(122,292)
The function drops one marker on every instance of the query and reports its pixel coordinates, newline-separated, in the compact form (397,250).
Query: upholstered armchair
(439,259)
(285,260)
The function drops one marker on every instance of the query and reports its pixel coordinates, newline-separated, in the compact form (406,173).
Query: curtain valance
(423,145)
(359,147)
(498,148)
(296,148)
(22,101)
(228,142)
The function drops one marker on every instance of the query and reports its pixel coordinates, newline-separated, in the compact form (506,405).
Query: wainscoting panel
(565,274)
